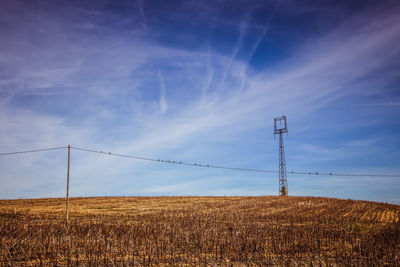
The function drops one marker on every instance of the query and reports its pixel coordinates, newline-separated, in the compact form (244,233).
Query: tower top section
(280,125)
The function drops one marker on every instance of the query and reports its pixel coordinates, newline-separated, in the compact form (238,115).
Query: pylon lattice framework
(280,127)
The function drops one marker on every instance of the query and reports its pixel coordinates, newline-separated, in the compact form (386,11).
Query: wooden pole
(67,200)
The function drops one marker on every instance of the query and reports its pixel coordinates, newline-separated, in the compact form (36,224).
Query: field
(199,231)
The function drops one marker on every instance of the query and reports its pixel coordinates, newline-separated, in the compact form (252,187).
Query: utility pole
(280,127)
(67,199)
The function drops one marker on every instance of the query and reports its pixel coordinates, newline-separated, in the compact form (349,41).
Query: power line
(32,151)
(201,164)
(174,162)
(345,174)
(233,168)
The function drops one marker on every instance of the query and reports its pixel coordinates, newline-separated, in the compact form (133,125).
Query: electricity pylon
(280,127)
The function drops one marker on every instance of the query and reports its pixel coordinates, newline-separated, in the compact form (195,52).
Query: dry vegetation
(199,231)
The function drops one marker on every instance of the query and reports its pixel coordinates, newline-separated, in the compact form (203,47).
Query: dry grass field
(199,231)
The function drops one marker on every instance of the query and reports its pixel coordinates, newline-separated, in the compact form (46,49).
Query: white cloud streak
(123,118)
(163,100)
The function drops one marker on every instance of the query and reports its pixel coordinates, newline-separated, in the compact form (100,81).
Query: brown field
(199,231)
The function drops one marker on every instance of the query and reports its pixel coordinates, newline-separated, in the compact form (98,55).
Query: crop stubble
(199,231)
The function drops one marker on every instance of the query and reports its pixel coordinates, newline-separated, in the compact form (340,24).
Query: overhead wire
(32,151)
(344,174)
(235,168)
(173,161)
(201,164)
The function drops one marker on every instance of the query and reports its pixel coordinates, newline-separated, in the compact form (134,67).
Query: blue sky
(200,81)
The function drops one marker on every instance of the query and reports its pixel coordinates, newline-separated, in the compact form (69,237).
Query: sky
(200,81)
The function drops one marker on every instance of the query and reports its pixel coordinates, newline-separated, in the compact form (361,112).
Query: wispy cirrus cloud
(163,101)
(106,88)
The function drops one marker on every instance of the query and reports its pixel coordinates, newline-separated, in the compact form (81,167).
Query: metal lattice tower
(280,127)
